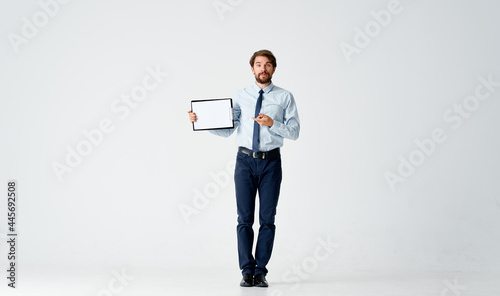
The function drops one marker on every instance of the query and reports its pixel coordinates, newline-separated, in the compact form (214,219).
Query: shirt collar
(266,90)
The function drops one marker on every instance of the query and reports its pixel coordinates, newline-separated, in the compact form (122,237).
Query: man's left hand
(264,120)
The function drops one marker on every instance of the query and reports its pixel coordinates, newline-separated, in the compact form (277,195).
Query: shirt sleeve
(229,131)
(290,128)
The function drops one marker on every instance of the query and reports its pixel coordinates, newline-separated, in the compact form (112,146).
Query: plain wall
(360,114)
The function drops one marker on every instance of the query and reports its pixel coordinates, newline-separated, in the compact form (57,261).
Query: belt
(272,154)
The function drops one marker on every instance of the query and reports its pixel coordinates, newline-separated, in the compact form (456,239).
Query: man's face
(263,69)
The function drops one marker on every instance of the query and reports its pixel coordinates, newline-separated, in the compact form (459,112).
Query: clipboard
(213,114)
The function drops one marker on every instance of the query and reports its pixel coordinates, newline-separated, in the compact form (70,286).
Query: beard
(265,80)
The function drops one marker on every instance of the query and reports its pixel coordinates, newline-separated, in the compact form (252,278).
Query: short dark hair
(263,53)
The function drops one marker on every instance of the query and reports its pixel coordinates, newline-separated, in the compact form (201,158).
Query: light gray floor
(157,281)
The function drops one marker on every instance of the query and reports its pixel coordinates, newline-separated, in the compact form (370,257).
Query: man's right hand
(192,116)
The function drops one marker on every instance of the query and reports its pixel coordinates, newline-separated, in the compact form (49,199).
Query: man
(264,115)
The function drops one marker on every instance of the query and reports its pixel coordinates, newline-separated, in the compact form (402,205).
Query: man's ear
(251,67)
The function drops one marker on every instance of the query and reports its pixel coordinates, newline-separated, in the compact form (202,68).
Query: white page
(213,114)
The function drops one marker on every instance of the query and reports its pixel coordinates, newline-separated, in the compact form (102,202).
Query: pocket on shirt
(274,111)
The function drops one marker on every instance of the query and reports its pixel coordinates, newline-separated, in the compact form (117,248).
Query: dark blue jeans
(253,175)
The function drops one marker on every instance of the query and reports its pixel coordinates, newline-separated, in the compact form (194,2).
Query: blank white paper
(213,114)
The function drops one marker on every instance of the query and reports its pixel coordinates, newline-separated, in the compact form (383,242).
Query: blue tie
(256,126)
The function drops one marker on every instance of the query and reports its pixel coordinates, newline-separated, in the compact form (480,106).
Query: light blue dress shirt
(277,103)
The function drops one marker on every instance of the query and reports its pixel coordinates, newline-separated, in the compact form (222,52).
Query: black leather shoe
(260,281)
(247,280)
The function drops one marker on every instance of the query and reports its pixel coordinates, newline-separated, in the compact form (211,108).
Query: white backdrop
(397,161)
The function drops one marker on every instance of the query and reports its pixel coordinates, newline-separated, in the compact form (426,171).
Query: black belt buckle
(256,155)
